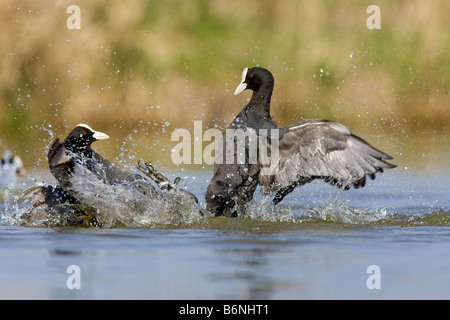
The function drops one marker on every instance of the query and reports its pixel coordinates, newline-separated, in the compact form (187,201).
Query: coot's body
(308,150)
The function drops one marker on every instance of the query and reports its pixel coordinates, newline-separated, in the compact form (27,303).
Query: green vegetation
(139,69)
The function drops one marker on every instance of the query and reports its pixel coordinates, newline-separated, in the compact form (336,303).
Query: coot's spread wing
(313,149)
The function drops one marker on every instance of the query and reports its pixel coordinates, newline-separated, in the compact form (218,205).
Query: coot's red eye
(251,76)
(85,132)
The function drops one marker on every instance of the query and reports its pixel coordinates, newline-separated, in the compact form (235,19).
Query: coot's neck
(259,105)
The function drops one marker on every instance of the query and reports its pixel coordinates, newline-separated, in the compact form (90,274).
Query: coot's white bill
(242,86)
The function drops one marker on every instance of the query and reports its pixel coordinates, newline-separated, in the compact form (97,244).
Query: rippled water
(317,245)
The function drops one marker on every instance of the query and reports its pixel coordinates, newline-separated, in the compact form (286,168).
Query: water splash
(11,207)
(125,206)
(342,212)
(265,210)
(338,211)
(118,205)
(121,206)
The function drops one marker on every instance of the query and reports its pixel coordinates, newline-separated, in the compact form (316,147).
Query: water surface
(317,245)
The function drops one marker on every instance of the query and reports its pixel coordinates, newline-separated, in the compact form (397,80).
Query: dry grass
(139,69)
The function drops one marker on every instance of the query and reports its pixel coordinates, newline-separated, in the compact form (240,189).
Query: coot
(62,199)
(86,175)
(77,147)
(285,157)
(12,164)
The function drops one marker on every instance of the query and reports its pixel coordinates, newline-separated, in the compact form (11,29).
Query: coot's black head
(255,79)
(81,138)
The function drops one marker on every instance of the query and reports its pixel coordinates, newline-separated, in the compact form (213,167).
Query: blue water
(399,222)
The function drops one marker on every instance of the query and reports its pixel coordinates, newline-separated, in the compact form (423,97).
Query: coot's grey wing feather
(313,149)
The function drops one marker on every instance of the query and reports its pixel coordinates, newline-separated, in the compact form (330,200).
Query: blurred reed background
(138,70)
